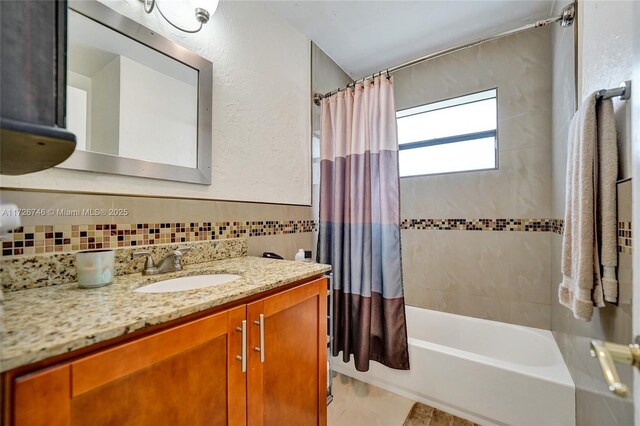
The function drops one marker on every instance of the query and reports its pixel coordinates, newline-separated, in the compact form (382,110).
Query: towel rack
(624,91)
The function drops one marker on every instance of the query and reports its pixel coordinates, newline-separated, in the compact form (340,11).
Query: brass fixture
(608,354)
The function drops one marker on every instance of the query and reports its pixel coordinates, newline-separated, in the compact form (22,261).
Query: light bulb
(204,9)
(208,5)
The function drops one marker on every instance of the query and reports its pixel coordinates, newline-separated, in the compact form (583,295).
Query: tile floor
(356,403)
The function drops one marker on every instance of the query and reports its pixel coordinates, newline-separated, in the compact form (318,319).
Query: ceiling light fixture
(202,14)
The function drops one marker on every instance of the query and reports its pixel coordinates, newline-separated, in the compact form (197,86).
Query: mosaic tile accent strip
(524,225)
(65,238)
(557,226)
(624,238)
(24,272)
(528,225)
(42,239)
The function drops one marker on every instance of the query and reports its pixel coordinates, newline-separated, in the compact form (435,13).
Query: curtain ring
(388,76)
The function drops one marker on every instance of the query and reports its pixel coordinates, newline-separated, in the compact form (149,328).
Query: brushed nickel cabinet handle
(243,357)
(261,348)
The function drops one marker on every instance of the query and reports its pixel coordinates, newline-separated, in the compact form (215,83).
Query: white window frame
(448,103)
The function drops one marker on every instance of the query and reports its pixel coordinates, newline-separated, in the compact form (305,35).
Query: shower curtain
(360,224)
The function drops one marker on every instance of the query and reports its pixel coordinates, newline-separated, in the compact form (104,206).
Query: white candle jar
(95,268)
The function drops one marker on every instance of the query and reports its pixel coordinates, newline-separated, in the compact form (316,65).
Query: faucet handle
(149,267)
(183,249)
(177,257)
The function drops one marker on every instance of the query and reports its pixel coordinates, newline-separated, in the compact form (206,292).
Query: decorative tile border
(40,239)
(44,270)
(523,225)
(527,225)
(624,238)
(557,226)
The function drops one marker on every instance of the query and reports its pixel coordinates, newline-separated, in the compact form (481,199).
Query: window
(455,135)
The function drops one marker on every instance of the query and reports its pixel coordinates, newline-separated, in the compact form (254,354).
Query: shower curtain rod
(566,19)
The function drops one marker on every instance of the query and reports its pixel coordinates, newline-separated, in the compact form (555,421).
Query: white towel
(590,220)
(607,208)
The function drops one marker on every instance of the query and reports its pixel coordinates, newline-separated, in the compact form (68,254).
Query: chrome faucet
(171,262)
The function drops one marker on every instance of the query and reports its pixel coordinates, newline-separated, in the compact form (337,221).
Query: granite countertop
(42,322)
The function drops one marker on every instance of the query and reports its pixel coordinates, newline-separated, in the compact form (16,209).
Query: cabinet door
(186,375)
(42,398)
(289,384)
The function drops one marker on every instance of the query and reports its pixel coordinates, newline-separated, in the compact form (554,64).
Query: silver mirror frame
(104,163)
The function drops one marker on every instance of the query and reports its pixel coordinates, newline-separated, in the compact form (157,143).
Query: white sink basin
(187,283)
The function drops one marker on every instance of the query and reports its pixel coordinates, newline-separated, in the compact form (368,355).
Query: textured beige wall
(503,276)
(605,47)
(326,76)
(260,114)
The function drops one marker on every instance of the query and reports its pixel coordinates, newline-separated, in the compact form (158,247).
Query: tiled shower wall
(605,47)
(503,273)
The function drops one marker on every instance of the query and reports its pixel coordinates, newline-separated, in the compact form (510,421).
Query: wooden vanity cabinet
(190,374)
(289,384)
(184,375)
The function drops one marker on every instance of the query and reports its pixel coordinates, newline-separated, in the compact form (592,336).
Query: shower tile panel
(469,264)
(505,273)
(529,268)
(530,314)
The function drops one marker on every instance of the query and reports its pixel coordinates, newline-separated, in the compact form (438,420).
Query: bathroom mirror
(138,103)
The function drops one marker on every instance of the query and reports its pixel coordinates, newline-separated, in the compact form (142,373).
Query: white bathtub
(486,371)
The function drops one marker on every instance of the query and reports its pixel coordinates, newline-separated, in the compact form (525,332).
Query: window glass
(449,136)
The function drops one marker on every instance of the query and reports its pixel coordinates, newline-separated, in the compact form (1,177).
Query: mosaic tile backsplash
(42,239)
(65,238)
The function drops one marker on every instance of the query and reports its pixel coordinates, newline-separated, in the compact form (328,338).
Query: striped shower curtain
(360,224)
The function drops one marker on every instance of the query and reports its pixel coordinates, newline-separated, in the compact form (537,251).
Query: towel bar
(624,91)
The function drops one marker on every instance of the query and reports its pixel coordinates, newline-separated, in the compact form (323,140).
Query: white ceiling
(364,37)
